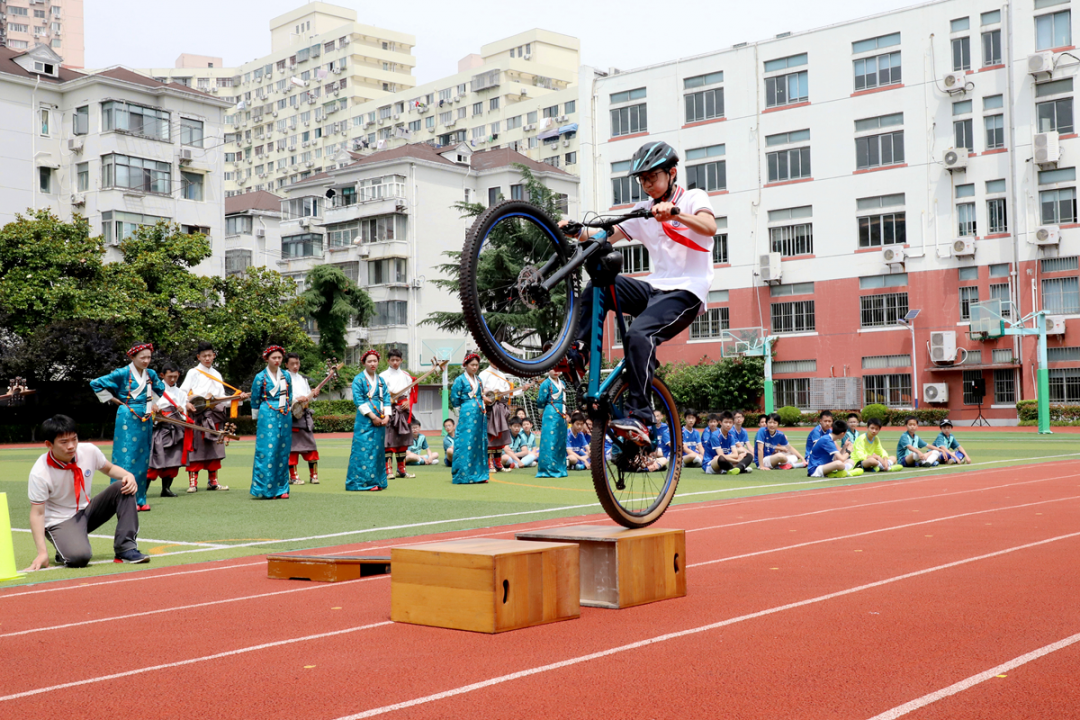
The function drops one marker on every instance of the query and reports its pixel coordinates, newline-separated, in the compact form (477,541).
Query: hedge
(1063,415)
(320,408)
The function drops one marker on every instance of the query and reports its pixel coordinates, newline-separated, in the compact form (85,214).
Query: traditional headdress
(272,349)
(372,351)
(469,357)
(138,348)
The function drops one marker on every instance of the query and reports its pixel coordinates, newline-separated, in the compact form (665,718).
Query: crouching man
(62,509)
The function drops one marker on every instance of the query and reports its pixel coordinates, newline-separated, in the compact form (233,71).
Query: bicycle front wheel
(635,486)
(519,327)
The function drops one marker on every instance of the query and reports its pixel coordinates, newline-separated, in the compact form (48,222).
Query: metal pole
(914,366)
(445,399)
(769,400)
(1043,380)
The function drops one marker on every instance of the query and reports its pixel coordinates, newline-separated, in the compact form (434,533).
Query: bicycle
(520,296)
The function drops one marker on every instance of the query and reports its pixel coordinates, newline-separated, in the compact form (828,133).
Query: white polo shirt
(55,488)
(681,259)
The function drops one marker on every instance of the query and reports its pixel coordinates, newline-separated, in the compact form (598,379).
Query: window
(968,294)
(881,362)
(1053,30)
(795,366)
(131,173)
(704,105)
(788,164)
(874,282)
(969,376)
(1061,296)
(995,131)
(191,186)
(391,312)
(45,179)
(961,54)
(44,115)
(635,259)
(965,213)
(117,226)
(787,89)
(238,225)
(882,310)
(792,289)
(629,120)
(387,272)
(513,122)
(891,390)
(709,324)
(627,95)
(1000,291)
(493,103)
(878,150)
(963,134)
(883,229)
(792,240)
(1055,115)
(81,120)
(530,117)
(1004,387)
(996,219)
(991,43)
(135,119)
(82,174)
(191,132)
(794,392)
(237,261)
(571,158)
(517,192)
(493,196)
(719,249)
(709,176)
(877,43)
(296,208)
(1058,206)
(877,71)
(624,190)
(1059,264)
(301,246)
(791,317)
(570,107)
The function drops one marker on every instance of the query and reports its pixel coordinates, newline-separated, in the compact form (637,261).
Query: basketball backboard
(987,318)
(452,349)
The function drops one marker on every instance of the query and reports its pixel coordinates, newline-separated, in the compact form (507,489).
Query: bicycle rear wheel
(633,491)
(519,327)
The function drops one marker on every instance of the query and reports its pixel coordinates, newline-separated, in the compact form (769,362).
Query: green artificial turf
(325,515)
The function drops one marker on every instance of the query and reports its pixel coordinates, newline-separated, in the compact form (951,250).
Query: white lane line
(138,578)
(215,546)
(191,661)
(901,710)
(692,631)
(876,531)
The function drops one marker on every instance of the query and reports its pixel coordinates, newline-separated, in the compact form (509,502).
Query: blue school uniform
(907,441)
(770,443)
(579,443)
(812,438)
(663,439)
(709,441)
(447,444)
(367,459)
(726,443)
(550,401)
(691,440)
(821,454)
(273,435)
(949,443)
(470,464)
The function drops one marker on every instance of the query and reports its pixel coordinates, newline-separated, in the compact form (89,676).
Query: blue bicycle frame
(596,336)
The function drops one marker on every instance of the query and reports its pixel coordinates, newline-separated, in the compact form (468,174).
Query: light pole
(909,320)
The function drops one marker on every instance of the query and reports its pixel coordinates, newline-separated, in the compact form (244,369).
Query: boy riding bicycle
(664,303)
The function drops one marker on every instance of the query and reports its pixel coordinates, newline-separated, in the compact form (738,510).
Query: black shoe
(131,556)
(166,492)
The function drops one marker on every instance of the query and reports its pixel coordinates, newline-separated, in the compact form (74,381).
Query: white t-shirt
(55,488)
(681,258)
(195,383)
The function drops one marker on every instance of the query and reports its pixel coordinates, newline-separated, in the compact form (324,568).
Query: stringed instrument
(299,407)
(201,403)
(494,397)
(224,435)
(16,392)
(401,397)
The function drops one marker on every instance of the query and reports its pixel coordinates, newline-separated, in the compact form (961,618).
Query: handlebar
(573,228)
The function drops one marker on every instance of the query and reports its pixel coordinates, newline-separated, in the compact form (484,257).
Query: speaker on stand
(977,388)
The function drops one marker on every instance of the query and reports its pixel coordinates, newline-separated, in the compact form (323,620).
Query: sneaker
(895,467)
(799,465)
(314,479)
(855,472)
(215,486)
(748,469)
(632,429)
(143,508)
(734,471)
(193,488)
(131,556)
(839,474)
(786,466)
(283,496)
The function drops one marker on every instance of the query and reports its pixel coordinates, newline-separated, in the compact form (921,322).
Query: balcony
(369,201)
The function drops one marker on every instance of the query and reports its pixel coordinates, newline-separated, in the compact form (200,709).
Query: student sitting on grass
(869,454)
(910,450)
(828,458)
(741,436)
(710,440)
(951,449)
(773,451)
(448,442)
(529,439)
(852,433)
(418,452)
(691,440)
(762,421)
(663,442)
(577,446)
(825,421)
(730,458)
(518,453)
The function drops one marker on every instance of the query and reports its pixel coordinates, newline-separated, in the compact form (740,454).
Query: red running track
(878,601)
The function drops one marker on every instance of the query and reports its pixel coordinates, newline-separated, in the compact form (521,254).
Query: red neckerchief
(80,488)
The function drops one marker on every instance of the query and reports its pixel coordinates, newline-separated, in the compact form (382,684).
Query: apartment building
(114,146)
(285,124)
(25,24)
(924,159)
(252,231)
(386,219)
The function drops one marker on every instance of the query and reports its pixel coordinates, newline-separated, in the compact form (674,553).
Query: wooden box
(622,568)
(484,585)
(325,568)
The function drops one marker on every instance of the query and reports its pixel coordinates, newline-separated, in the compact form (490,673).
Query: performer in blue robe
(367,460)
(551,400)
(470,464)
(271,399)
(133,388)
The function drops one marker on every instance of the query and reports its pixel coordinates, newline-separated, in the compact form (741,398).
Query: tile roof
(260,200)
(8,66)
(503,157)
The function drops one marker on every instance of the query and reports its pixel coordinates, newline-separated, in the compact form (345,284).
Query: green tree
(734,383)
(331,300)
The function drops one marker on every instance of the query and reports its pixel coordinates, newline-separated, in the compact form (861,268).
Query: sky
(624,34)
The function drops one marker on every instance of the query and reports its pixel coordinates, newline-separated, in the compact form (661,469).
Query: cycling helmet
(653,156)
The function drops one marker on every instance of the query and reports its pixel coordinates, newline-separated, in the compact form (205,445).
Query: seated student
(762,421)
(852,433)
(577,447)
(772,449)
(518,453)
(869,454)
(741,435)
(951,449)
(910,449)
(691,440)
(448,442)
(663,441)
(828,458)
(62,509)
(825,421)
(588,429)
(710,440)
(731,458)
(418,452)
(530,440)
(519,413)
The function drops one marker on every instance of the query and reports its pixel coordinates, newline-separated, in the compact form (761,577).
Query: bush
(790,416)
(1028,411)
(320,408)
(711,386)
(334,423)
(875,410)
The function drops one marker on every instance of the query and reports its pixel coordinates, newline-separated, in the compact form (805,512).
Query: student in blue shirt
(530,438)
(772,451)
(825,421)
(731,458)
(517,453)
(577,446)
(740,432)
(691,440)
(828,458)
(448,441)
(852,433)
(710,440)
(950,448)
(663,440)
(418,452)
(912,450)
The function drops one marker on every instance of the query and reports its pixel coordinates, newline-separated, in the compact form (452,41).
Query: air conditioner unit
(963,247)
(524,92)
(893,255)
(186,155)
(304,144)
(1055,324)
(362,250)
(1047,148)
(769,267)
(452,123)
(431,129)
(274,114)
(561,118)
(528,127)
(935,392)
(528,56)
(955,160)
(78,199)
(1048,235)
(214,90)
(292,148)
(382,120)
(1042,62)
(346,40)
(75,145)
(260,232)
(954,82)
(566,142)
(305,222)
(397,116)
(307,123)
(417,283)
(943,346)
(337,71)
(312,101)
(400,207)
(457,98)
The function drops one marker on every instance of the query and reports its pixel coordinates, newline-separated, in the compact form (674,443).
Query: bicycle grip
(675,210)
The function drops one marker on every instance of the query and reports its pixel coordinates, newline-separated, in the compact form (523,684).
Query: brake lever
(572,229)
